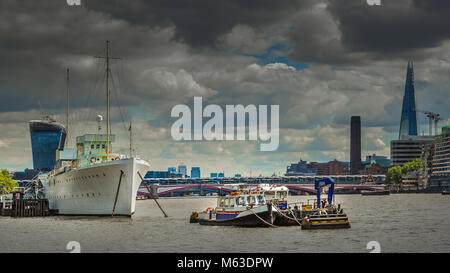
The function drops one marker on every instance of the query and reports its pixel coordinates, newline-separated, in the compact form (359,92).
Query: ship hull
(261,216)
(95,190)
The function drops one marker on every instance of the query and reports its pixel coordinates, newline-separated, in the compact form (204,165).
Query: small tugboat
(241,208)
(325,215)
(285,215)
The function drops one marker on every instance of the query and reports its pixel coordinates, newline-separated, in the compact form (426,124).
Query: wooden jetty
(17,206)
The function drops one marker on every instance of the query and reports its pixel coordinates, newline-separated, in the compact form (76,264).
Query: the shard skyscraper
(408,122)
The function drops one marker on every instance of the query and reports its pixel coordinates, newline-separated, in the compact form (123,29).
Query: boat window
(227,202)
(240,201)
(231,202)
(98,146)
(269,194)
(221,202)
(279,195)
(92,146)
(251,199)
(261,199)
(103,146)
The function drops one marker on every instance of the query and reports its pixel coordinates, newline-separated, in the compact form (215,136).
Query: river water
(398,222)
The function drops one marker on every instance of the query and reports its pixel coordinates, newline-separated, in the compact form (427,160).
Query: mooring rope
(264,221)
(295,218)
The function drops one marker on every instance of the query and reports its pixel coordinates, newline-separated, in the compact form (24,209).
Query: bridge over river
(166,187)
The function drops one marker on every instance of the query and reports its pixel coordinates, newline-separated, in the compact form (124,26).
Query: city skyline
(320,74)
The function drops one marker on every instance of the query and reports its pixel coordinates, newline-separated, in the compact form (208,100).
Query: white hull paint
(92,190)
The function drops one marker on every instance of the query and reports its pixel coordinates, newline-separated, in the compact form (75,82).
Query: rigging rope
(117,101)
(85,115)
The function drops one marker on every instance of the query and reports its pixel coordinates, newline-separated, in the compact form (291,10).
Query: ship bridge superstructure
(91,149)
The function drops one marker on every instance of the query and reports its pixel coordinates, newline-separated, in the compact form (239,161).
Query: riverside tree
(7,182)
(395,173)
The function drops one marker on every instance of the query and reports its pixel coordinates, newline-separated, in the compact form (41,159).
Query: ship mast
(107,101)
(67,112)
(131,141)
(108,121)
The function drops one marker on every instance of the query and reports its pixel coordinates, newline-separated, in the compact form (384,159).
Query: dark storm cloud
(347,32)
(39,40)
(200,22)
(395,28)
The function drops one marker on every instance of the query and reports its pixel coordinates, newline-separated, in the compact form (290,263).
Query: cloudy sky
(321,61)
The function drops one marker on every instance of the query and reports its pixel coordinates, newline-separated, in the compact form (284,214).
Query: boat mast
(131,141)
(108,125)
(67,112)
(107,101)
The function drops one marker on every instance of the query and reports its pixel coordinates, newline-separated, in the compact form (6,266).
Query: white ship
(91,180)
(94,184)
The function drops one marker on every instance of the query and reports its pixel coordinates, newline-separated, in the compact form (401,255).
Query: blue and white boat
(241,208)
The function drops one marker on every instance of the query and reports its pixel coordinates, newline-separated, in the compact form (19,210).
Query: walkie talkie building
(47,136)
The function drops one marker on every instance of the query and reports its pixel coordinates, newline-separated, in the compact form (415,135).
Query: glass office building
(408,123)
(47,136)
(157,174)
(182,169)
(195,172)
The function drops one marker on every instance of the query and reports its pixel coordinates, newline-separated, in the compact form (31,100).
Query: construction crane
(432,116)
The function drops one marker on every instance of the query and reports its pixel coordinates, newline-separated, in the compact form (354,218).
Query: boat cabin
(276,194)
(241,200)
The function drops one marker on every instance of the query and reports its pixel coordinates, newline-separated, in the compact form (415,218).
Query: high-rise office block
(407,149)
(182,169)
(441,157)
(47,136)
(195,172)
